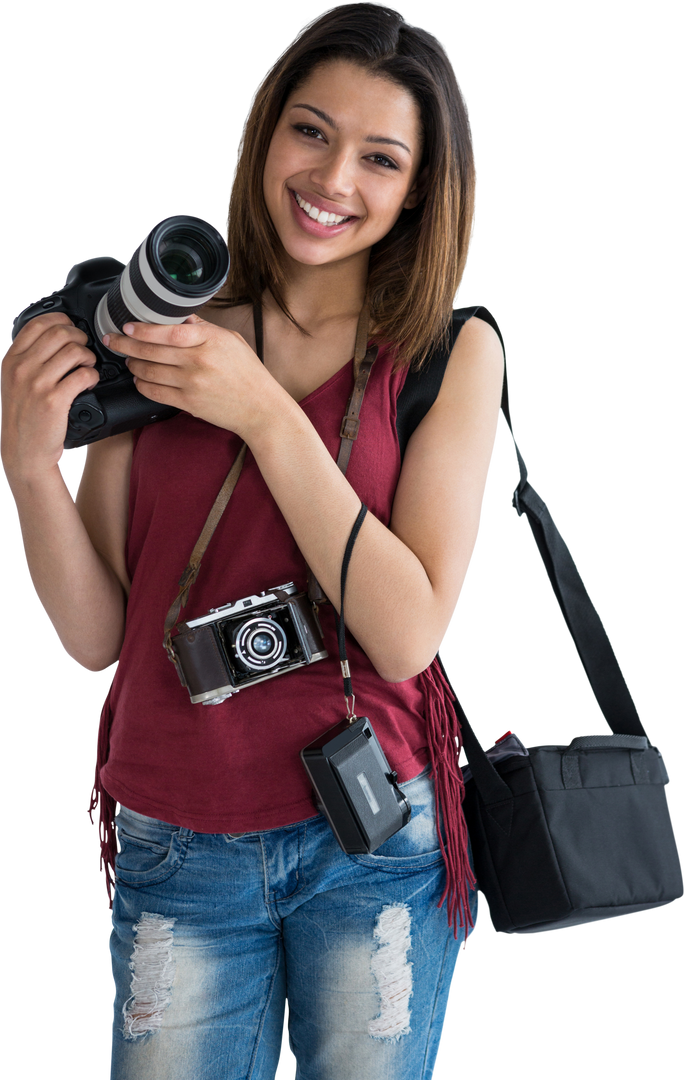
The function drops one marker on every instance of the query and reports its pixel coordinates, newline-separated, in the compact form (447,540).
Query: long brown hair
(415,269)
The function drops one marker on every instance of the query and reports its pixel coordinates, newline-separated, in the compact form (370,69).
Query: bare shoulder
(476,359)
(437,503)
(102,499)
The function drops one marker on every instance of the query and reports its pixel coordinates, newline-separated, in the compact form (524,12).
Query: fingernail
(128,328)
(105,341)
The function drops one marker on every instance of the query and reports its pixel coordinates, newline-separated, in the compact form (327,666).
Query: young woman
(353,193)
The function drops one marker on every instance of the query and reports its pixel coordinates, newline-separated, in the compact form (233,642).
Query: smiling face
(342,163)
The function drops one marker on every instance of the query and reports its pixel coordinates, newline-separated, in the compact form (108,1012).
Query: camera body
(355,787)
(240,644)
(178,267)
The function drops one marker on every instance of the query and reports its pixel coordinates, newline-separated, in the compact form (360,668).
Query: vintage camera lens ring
(250,654)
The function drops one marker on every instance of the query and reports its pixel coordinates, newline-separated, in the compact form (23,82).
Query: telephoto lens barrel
(180,265)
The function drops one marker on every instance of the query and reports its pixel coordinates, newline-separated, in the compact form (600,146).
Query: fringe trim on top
(444,741)
(107,803)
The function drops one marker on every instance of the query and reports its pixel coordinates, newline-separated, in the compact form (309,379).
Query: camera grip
(201,662)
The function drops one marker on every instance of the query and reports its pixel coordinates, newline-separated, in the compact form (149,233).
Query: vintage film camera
(180,265)
(247,642)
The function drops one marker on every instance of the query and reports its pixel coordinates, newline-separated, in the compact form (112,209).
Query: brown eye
(307,127)
(390,164)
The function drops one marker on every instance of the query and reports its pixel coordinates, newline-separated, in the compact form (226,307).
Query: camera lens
(182,260)
(180,265)
(259,644)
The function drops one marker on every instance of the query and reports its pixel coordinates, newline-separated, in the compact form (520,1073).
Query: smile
(313,227)
(323,217)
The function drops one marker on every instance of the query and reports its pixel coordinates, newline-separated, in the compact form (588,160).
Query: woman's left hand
(200,368)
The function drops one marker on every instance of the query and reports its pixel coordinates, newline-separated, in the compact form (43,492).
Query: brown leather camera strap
(363,362)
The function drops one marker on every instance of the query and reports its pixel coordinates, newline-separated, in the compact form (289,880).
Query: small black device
(354,786)
(178,267)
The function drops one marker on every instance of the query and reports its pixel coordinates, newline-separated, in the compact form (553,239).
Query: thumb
(193,318)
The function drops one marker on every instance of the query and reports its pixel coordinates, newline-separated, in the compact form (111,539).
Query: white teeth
(322,216)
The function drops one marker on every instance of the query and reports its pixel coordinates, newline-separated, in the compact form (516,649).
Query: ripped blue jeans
(213,932)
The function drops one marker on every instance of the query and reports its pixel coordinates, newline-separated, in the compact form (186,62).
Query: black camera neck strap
(363,363)
(344,663)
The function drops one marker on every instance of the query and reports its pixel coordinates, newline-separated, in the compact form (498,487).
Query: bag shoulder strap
(584,623)
(420,389)
(582,619)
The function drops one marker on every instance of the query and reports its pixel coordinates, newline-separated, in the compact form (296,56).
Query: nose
(334,177)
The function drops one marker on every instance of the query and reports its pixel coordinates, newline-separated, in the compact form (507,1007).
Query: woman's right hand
(46,367)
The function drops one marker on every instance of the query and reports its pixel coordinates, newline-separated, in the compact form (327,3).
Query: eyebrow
(369,138)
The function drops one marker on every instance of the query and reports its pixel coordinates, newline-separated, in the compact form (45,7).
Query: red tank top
(235,767)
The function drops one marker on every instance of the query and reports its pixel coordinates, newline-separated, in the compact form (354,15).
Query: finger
(162,393)
(134,346)
(180,335)
(154,372)
(170,334)
(58,349)
(35,327)
(142,339)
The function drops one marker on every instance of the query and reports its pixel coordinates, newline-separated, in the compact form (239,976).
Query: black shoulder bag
(563,834)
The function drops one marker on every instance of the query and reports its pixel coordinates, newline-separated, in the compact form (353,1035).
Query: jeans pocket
(416,846)
(150,851)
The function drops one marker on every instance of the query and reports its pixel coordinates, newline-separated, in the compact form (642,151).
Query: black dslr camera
(240,644)
(180,265)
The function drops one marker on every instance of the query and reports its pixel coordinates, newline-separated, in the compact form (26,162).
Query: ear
(417,192)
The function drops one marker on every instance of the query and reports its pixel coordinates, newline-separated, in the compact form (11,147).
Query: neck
(316,295)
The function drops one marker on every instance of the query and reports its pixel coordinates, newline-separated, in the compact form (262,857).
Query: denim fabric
(213,932)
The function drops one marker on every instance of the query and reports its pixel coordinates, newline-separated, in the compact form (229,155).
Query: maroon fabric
(235,767)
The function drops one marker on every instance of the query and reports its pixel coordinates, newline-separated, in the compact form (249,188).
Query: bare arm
(75,559)
(385,580)
(404,580)
(78,588)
